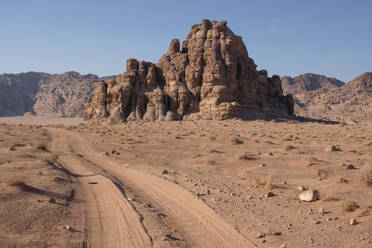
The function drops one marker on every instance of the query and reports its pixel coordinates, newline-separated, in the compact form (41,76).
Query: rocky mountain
(351,102)
(45,94)
(308,82)
(210,76)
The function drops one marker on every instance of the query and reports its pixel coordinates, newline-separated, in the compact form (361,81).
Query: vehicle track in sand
(110,220)
(197,224)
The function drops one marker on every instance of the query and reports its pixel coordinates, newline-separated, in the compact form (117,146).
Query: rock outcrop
(210,76)
(45,94)
(309,82)
(350,103)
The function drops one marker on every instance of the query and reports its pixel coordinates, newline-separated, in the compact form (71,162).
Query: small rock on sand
(269,194)
(321,210)
(353,221)
(271,232)
(309,195)
(260,235)
(300,188)
(333,148)
(350,167)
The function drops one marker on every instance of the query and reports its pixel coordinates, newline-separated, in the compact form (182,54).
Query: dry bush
(350,206)
(323,173)
(245,156)
(257,181)
(236,141)
(366,174)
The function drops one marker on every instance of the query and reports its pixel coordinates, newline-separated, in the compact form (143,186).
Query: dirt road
(113,222)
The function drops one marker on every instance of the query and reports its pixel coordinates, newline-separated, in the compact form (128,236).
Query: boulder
(309,195)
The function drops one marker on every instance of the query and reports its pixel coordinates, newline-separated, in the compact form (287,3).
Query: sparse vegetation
(366,174)
(256,181)
(322,173)
(245,156)
(350,206)
(236,141)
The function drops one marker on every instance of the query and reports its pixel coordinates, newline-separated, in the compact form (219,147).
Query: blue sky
(286,37)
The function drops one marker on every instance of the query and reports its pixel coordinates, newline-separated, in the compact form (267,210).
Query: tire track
(111,220)
(198,224)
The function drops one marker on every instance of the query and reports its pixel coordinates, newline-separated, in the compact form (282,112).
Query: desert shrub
(350,206)
(236,141)
(245,156)
(322,173)
(366,174)
(257,181)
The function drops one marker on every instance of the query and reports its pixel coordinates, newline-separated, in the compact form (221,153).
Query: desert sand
(229,183)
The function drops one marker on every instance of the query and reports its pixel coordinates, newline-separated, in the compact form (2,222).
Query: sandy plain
(226,183)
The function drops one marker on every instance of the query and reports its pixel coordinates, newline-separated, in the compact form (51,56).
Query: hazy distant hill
(330,99)
(44,94)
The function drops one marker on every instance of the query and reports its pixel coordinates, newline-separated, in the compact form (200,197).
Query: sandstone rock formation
(45,94)
(210,76)
(351,102)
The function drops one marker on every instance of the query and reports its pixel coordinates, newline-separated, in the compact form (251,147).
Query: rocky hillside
(45,94)
(308,82)
(209,76)
(351,102)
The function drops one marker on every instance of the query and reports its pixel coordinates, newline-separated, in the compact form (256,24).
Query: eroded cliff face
(45,94)
(210,76)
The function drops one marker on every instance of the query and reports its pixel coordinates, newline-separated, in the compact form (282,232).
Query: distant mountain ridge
(328,98)
(45,94)
(308,82)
